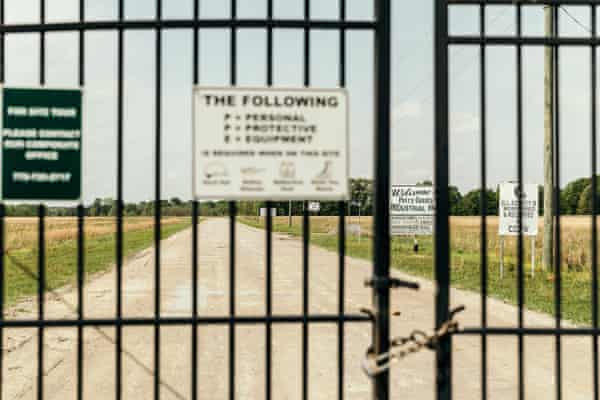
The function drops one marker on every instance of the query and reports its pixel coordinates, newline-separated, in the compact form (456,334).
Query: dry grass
(21,240)
(22,232)
(466,236)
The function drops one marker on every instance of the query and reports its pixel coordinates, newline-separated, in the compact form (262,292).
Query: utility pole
(548,141)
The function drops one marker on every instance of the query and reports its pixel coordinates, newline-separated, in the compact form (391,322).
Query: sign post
(511,199)
(270,144)
(41,144)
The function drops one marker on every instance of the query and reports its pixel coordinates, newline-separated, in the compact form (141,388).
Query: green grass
(465,273)
(61,260)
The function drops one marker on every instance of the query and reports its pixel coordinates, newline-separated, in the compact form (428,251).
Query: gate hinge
(379,282)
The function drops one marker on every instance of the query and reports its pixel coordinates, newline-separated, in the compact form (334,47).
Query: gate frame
(443,40)
(381,28)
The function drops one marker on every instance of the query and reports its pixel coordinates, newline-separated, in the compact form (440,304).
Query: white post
(532,256)
(501,257)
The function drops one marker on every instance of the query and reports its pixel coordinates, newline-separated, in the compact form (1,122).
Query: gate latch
(379,282)
(401,347)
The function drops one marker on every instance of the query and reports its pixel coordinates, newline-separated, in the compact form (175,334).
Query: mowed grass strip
(61,248)
(576,269)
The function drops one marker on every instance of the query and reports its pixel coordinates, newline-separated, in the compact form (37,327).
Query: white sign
(314,206)
(509,209)
(270,144)
(263,212)
(411,210)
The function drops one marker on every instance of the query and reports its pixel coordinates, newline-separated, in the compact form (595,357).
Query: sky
(411,84)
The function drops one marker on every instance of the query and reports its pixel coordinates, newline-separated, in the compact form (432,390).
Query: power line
(469,65)
(577,21)
(461,50)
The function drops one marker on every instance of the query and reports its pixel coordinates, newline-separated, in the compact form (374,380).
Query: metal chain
(403,346)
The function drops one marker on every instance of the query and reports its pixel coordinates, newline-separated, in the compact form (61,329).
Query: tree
(176,201)
(455,200)
(585,200)
(570,195)
(471,202)
(361,191)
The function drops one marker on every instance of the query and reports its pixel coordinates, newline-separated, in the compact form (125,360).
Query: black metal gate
(380,27)
(444,40)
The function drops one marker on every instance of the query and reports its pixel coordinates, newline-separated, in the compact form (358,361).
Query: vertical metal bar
(41,299)
(232,241)
(483,201)
(557,255)
(341,228)
(594,185)
(41,228)
(2,295)
(194,383)
(157,204)
(305,299)
(342,295)
(305,230)
(520,291)
(441,174)
(42,43)
(80,304)
(81,44)
(232,220)
(80,230)
(269,300)
(2,52)
(196,55)
(2,230)
(381,241)
(119,233)
(269,231)
(195,209)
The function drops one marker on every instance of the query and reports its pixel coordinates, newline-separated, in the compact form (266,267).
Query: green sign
(41,144)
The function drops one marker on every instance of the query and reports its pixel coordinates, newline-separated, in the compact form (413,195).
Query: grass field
(466,259)
(61,248)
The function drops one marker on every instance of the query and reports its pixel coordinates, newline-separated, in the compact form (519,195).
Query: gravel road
(411,379)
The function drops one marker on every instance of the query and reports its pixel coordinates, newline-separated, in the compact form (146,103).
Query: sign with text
(411,210)
(270,144)
(508,210)
(41,144)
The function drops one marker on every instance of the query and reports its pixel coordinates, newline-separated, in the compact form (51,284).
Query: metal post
(290,214)
(381,241)
(441,179)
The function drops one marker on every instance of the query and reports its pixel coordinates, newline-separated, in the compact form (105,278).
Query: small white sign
(314,206)
(510,198)
(263,212)
(411,210)
(270,144)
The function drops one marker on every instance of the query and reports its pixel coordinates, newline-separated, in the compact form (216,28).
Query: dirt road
(411,379)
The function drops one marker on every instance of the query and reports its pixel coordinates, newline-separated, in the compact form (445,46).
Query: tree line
(576,198)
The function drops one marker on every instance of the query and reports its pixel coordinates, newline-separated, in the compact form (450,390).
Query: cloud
(464,122)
